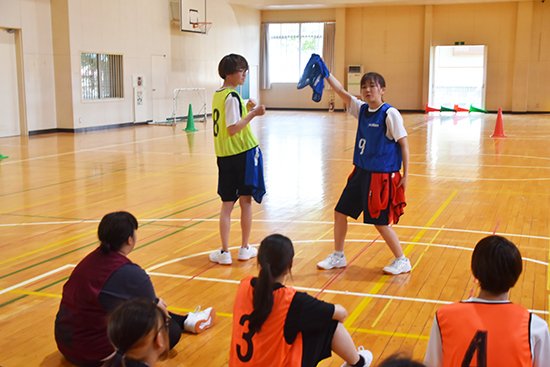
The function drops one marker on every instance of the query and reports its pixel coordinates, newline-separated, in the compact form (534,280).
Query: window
(101,76)
(290,46)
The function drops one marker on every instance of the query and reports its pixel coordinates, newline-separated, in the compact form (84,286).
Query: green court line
(95,242)
(38,290)
(137,248)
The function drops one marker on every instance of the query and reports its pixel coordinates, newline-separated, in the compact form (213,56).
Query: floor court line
(354,315)
(38,277)
(319,222)
(236,282)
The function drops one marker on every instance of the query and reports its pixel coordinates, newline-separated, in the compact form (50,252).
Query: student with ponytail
(98,284)
(138,330)
(274,325)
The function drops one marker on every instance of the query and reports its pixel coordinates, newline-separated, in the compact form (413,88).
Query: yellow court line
(87,233)
(365,302)
(391,333)
(230,315)
(213,234)
(324,234)
(202,239)
(435,216)
(156,260)
(51,245)
(427,248)
(40,294)
(382,313)
(376,288)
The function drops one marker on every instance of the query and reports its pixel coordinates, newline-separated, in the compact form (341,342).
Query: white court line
(38,277)
(229,281)
(168,262)
(448,229)
(100,148)
(317,290)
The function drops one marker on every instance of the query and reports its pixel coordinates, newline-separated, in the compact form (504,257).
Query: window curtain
(328,45)
(265,83)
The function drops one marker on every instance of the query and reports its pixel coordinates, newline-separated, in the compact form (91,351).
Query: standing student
(490,330)
(375,187)
(98,284)
(240,171)
(276,326)
(138,330)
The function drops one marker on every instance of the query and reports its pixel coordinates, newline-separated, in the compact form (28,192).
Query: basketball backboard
(193,15)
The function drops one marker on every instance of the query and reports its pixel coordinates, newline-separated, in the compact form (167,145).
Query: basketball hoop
(202,27)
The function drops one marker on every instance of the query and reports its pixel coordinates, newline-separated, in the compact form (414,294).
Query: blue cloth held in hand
(254,173)
(314,75)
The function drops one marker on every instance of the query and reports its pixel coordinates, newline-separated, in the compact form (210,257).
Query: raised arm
(339,89)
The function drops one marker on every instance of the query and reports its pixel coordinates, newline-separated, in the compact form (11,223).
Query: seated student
(99,283)
(138,330)
(489,330)
(274,325)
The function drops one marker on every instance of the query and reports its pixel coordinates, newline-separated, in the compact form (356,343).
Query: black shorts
(355,199)
(231,170)
(317,346)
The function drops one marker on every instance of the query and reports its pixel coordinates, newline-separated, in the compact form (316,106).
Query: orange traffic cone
(431,109)
(457,108)
(499,127)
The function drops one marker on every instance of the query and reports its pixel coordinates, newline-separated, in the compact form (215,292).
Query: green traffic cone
(475,109)
(190,120)
(3,156)
(446,109)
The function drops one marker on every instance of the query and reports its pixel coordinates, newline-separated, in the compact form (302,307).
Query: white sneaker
(198,321)
(398,266)
(333,261)
(366,354)
(247,253)
(223,258)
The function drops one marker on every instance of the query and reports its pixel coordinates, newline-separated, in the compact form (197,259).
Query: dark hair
(230,64)
(129,323)
(497,264)
(275,258)
(115,229)
(373,77)
(400,360)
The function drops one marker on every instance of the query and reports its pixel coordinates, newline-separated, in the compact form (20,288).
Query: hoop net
(202,27)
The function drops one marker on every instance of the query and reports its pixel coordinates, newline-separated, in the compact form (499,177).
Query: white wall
(142,30)
(139,30)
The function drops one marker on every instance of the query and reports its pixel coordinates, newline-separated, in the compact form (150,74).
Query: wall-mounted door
(9,92)
(458,76)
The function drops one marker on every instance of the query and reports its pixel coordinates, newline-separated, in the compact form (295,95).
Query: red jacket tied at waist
(379,194)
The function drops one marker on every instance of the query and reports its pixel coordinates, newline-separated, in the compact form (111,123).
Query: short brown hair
(230,64)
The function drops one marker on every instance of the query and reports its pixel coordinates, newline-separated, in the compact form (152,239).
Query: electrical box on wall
(355,72)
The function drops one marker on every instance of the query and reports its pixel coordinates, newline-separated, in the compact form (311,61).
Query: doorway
(458,76)
(9,102)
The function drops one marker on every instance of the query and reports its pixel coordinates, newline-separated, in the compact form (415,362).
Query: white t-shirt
(540,340)
(232,110)
(394,120)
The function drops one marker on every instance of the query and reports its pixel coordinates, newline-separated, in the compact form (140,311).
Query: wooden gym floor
(463,185)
